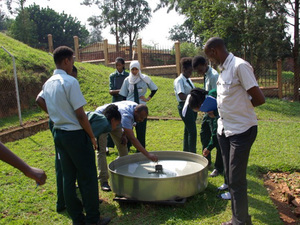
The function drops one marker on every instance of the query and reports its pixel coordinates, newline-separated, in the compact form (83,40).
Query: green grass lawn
(275,149)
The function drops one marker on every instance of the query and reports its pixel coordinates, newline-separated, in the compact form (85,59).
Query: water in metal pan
(170,168)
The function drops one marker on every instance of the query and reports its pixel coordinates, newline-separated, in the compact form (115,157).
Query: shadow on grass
(199,207)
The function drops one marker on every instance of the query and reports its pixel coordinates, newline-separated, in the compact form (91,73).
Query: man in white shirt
(237,95)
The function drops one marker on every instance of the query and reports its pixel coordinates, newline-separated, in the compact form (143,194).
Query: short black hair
(140,107)
(61,53)
(112,111)
(120,59)
(214,42)
(197,97)
(198,60)
(186,62)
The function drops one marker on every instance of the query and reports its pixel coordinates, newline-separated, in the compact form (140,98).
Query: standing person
(134,89)
(182,87)
(132,114)
(74,139)
(238,94)
(60,203)
(116,80)
(210,82)
(12,159)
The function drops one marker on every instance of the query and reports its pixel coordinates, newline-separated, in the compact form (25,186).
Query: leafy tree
(184,33)
(125,17)
(136,15)
(95,35)
(110,14)
(250,28)
(188,49)
(46,21)
(24,29)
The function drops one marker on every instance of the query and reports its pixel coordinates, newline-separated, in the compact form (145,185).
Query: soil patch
(284,190)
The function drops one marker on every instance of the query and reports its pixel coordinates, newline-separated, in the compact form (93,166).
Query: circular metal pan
(182,175)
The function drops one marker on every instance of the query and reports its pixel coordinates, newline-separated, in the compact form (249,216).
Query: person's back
(74,140)
(62,95)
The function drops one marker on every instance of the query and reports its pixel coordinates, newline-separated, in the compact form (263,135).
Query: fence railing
(275,79)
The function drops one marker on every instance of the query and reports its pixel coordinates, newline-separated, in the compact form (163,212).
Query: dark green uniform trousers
(60,203)
(77,158)
(140,129)
(190,129)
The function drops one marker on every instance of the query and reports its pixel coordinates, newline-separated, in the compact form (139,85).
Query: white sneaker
(225,196)
(214,173)
(223,187)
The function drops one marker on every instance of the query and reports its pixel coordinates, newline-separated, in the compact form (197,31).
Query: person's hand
(144,99)
(124,140)
(152,157)
(37,174)
(205,152)
(94,142)
(211,114)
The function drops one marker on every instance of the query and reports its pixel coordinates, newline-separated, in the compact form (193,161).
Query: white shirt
(126,109)
(211,77)
(182,86)
(63,96)
(234,103)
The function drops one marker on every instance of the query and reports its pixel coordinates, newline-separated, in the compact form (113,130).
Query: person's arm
(257,97)
(136,143)
(114,92)
(149,97)
(85,124)
(41,103)
(182,96)
(34,173)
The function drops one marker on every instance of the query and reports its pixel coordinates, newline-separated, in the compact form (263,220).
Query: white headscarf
(133,79)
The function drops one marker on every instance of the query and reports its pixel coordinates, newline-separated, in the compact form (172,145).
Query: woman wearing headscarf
(134,89)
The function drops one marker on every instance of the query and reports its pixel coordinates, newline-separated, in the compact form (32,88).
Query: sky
(156,32)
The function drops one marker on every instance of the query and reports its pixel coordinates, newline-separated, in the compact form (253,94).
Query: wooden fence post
(76,46)
(177,57)
(139,50)
(50,43)
(279,78)
(105,51)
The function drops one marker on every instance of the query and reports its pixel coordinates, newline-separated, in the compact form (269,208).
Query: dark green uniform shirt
(213,123)
(115,82)
(99,123)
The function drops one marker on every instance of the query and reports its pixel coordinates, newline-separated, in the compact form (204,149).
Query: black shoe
(101,221)
(105,186)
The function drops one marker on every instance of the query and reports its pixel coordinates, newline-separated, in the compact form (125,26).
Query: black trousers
(235,152)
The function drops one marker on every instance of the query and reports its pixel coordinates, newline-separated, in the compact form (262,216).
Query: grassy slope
(276,148)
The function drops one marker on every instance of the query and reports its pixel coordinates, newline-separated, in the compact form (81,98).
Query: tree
(22,28)
(136,15)
(252,29)
(184,33)
(110,14)
(95,35)
(46,21)
(125,17)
